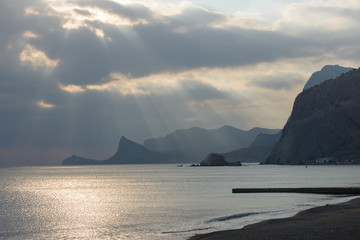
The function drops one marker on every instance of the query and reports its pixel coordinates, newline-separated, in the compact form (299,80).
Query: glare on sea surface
(77,206)
(151,202)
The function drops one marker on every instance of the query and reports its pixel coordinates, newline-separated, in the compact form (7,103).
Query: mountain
(327,72)
(258,151)
(266,140)
(190,145)
(324,123)
(128,152)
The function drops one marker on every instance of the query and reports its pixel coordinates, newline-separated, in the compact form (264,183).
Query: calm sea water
(151,202)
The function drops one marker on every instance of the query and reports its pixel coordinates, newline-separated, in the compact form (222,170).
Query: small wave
(240,215)
(186,231)
(235,216)
(306,205)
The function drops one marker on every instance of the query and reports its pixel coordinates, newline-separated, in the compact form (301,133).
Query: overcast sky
(76,75)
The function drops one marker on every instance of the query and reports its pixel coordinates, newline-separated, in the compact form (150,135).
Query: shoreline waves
(330,222)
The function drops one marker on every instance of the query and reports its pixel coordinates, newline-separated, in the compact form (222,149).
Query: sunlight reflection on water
(149,202)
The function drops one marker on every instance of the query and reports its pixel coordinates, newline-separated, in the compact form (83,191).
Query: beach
(330,222)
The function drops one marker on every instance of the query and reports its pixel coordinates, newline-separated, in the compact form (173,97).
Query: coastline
(330,222)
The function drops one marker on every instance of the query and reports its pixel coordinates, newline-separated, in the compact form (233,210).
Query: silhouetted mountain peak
(128,152)
(326,73)
(126,145)
(228,127)
(125,141)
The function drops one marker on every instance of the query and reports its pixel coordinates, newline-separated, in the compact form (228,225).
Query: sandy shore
(330,222)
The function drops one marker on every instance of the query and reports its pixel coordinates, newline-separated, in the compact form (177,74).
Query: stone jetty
(315,190)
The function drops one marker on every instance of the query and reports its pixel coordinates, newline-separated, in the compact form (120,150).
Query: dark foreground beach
(330,222)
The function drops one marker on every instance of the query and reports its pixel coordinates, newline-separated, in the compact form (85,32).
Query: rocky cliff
(324,123)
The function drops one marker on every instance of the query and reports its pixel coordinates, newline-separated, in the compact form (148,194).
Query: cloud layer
(76,75)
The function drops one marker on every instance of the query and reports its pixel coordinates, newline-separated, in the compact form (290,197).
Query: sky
(76,75)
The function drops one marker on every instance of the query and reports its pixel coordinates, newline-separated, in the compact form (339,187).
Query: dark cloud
(199,91)
(213,47)
(133,12)
(83,12)
(167,44)
(85,58)
(194,17)
(144,49)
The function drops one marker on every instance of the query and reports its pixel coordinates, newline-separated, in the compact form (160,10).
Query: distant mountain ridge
(196,143)
(324,123)
(326,73)
(128,152)
(181,146)
(258,151)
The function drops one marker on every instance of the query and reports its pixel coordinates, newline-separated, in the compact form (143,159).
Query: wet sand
(330,222)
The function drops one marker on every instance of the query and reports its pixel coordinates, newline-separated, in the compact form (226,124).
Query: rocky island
(216,160)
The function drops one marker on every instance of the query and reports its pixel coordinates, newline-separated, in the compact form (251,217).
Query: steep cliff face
(130,152)
(325,122)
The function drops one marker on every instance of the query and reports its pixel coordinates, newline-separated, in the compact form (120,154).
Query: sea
(154,202)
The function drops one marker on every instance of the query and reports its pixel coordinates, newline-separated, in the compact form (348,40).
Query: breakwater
(316,190)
